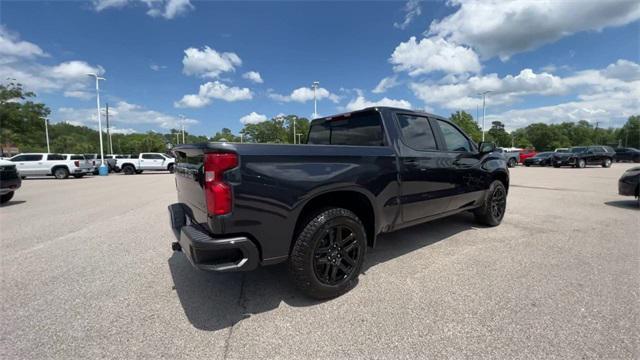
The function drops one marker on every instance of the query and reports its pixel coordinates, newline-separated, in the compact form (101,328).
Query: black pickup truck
(321,204)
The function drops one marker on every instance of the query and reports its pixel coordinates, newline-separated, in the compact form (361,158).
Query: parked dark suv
(581,156)
(628,154)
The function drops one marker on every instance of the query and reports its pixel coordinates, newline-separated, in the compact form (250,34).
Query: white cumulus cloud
(208,62)
(253,76)
(412,10)
(167,9)
(214,90)
(12,46)
(253,118)
(360,103)
(123,115)
(506,27)
(304,94)
(385,84)
(434,54)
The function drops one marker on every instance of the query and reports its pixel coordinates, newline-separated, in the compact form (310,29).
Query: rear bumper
(9,185)
(626,188)
(209,253)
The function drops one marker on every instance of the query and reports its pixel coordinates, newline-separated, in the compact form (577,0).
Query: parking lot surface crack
(243,307)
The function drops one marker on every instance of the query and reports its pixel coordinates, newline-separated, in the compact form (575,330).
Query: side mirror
(486,147)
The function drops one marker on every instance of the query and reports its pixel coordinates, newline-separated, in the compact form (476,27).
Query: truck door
(28,165)
(425,179)
(151,162)
(461,156)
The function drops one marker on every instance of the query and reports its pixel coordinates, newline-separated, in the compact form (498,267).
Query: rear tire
(581,163)
(128,170)
(512,163)
(606,163)
(61,173)
(494,206)
(6,197)
(328,253)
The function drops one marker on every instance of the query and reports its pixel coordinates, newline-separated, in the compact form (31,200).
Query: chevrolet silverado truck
(320,205)
(145,162)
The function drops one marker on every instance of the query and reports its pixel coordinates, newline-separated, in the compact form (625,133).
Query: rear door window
(360,129)
(416,132)
(56,157)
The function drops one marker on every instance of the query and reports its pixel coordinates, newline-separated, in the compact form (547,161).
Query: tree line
(22,123)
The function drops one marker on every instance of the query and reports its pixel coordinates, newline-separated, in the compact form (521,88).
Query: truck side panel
(273,183)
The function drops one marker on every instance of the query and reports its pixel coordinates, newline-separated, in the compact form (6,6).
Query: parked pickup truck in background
(320,205)
(58,165)
(511,156)
(9,180)
(145,162)
(96,162)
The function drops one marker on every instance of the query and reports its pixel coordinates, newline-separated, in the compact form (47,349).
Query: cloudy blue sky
(222,64)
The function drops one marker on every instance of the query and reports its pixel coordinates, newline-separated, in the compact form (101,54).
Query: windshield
(578,150)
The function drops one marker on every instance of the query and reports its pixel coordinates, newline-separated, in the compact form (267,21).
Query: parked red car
(527,153)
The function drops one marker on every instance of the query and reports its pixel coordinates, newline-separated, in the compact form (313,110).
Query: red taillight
(218,193)
(77,163)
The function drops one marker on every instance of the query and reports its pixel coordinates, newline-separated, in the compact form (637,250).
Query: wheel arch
(352,199)
(503,177)
(55,167)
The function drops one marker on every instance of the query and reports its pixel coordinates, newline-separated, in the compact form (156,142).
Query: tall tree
(21,119)
(465,121)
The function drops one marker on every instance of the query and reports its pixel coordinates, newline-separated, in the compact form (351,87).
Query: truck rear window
(361,129)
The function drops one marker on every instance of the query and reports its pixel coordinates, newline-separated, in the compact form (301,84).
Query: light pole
(294,129)
(182,122)
(315,86)
(46,132)
(103,170)
(299,135)
(483,110)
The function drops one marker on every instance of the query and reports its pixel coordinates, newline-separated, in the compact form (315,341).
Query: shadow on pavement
(214,301)
(13,202)
(624,204)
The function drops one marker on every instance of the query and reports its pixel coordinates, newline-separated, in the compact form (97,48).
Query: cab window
(416,132)
(453,138)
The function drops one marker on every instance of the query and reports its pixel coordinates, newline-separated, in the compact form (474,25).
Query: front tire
(328,253)
(172,168)
(606,163)
(512,163)
(581,163)
(494,206)
(6,197)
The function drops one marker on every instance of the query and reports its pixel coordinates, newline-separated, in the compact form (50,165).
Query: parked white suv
(146,161)
(58,165)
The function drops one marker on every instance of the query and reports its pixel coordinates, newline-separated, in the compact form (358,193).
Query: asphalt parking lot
(88,272)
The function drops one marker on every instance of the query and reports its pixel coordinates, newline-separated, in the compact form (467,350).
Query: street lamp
(182,122)
(103,170)
(46,131)
(315,86)
(483,110)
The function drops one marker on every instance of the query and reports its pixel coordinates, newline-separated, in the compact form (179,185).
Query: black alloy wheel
(494,206)
(336,255)
(328,253)
(498,202)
